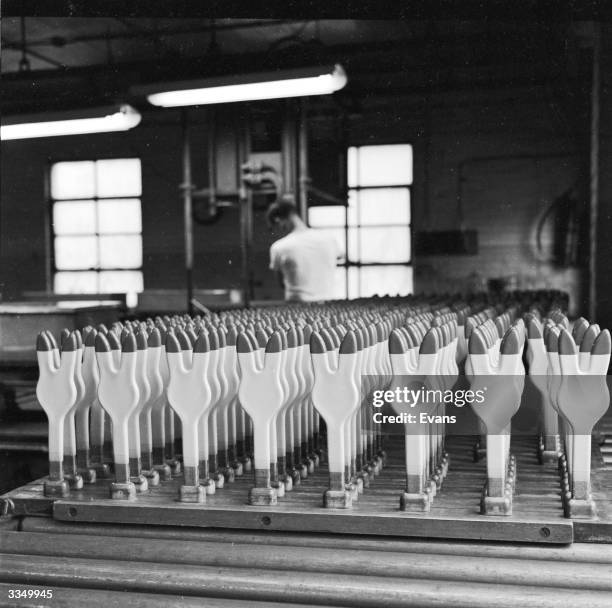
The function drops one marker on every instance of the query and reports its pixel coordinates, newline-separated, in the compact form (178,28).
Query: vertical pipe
(246,218)
(49,244)
(343,176)
(303,160)
(288,152)
(187,187)
(594,177)
(249,216)
(212,163)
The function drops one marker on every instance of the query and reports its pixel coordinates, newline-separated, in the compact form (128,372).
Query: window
(97,226)
(373,231)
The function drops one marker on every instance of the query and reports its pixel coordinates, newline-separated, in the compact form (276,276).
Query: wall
(603,266)
(489,160)
(512,155)
(157,141)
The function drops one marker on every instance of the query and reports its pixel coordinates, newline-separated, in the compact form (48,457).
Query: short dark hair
(281,210)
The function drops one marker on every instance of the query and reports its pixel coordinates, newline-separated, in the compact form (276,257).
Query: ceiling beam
(140,32)
(17,46)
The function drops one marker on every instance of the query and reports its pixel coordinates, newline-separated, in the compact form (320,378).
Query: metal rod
(153,33)
(330,198)
(243,140)
(212,163)
(249,217)
(288,152)
(343,178)
(594,177)
(303,159)
(187,187)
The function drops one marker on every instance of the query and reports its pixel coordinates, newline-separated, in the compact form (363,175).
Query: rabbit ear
(602,344)
(348,347)
(317,345)
(202,343)
(101,343)
(275,343)
(534,329)
(318,355)
(232,335)
(397,343)
(51,339)
(172,344)
(511,343)
(349,344)
(589,338)
(183,340)
(154,339)
(247,352)
(243,344)
(429,345)
(70,343)
(63,335)
(46,357)
(551,336)
(141,340)
(90,338)
(580,327)
(567,346)
(43,343)
(128,343)
(600,353)
(113,340)
(477,343)
(567,354)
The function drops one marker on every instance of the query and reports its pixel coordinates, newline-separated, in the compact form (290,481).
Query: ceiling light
(77,122)
(246,87)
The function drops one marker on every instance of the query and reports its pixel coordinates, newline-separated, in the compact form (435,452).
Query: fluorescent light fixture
(77,122)
(246,87)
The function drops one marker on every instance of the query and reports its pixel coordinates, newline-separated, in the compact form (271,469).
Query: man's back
(307,260)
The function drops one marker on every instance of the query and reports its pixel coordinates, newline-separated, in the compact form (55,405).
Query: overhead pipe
(187,189)
(594,173)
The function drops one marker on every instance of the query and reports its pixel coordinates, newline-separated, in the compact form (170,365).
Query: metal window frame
(353,264)
(52,267)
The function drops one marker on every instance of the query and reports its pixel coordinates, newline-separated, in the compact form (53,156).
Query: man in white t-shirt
(306,258)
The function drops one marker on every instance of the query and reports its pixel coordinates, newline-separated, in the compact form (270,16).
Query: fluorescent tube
(274,85)
(78,122)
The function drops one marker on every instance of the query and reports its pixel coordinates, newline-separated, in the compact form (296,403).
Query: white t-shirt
(307,259)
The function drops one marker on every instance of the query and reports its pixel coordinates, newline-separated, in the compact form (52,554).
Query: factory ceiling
(49,62)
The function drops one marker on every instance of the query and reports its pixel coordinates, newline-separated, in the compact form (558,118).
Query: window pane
(384,244)
(340,284)
(387,165)
(75,282)
(119,177)
(73,180)
(353,244)
(120,251)
(75,252)
(352,164)
(353,208)
(354,281)
(386,280)
(74,217)
(121,281)
(384,206)
(119,215)
(326,216)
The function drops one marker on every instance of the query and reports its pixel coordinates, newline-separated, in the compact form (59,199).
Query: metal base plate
(454,514)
